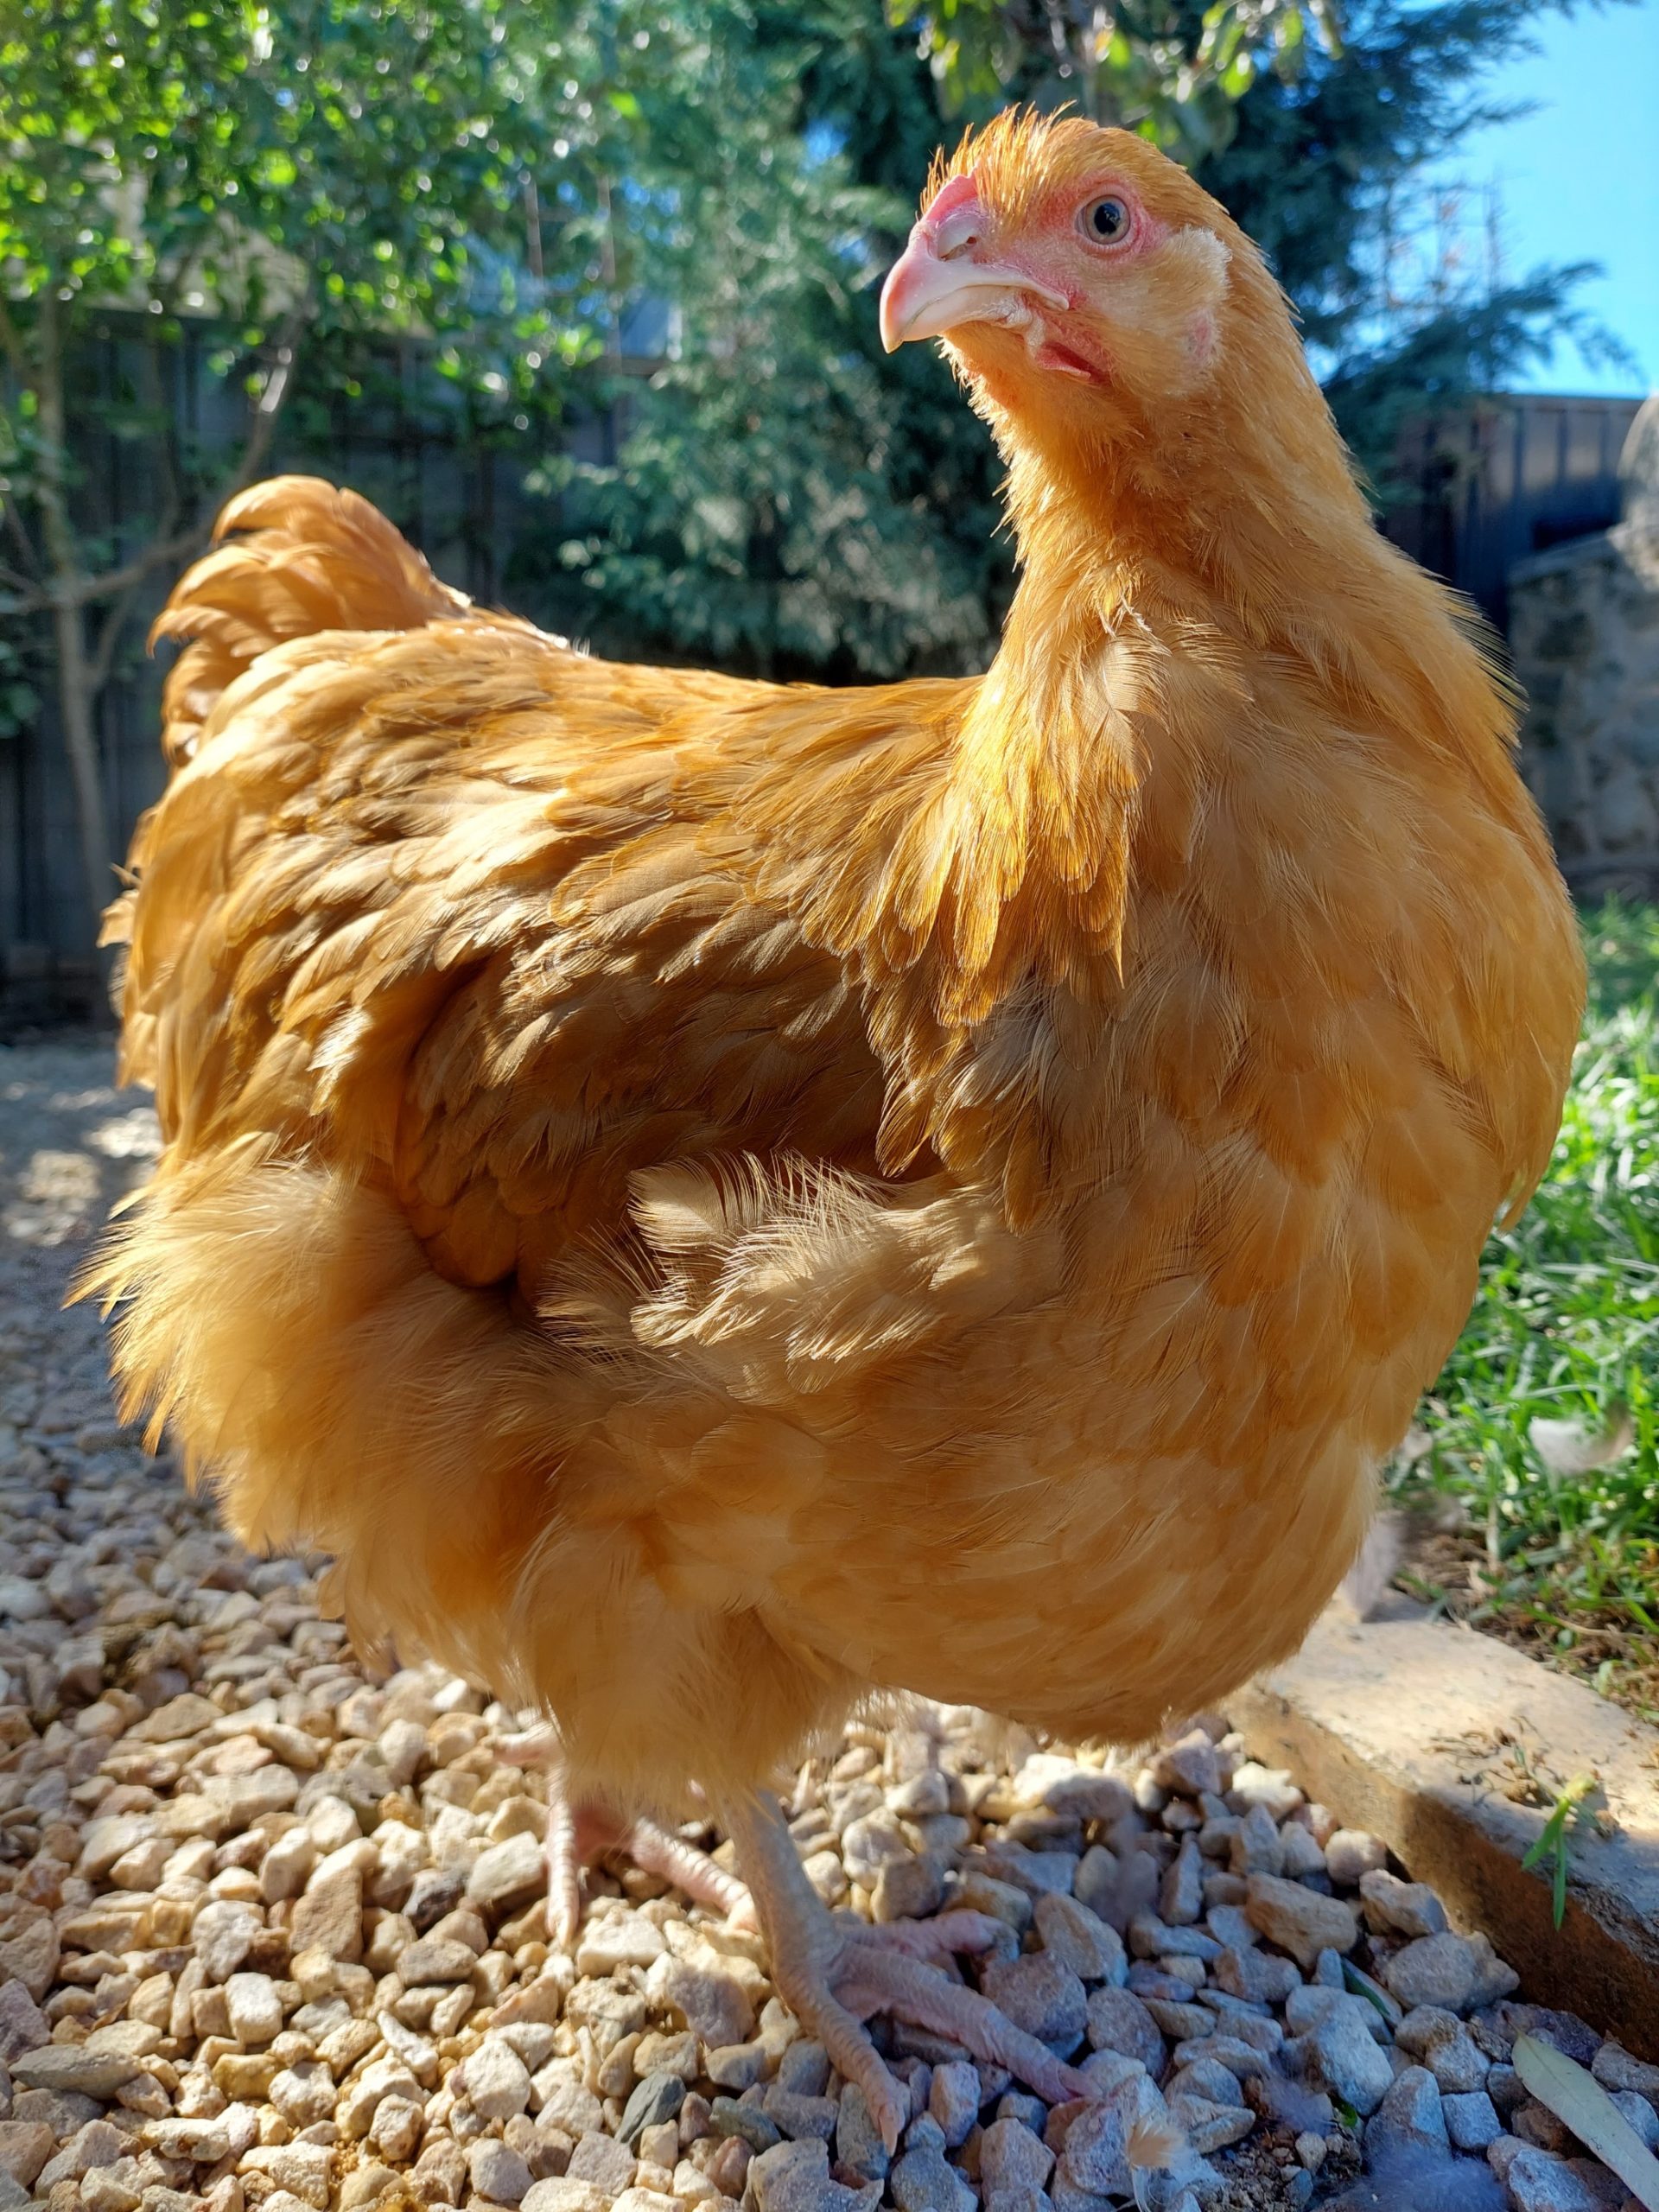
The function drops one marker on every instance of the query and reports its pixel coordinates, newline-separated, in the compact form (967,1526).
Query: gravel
(271,1931)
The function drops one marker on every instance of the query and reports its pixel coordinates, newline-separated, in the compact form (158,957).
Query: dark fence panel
(1518,475)
(458,499)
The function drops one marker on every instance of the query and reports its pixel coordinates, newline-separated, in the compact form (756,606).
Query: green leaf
(1578,2101)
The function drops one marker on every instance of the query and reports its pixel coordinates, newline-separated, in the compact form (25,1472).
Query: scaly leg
(578,1834)
(835,1974)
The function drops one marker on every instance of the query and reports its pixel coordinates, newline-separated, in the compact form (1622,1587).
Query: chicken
(714,1201)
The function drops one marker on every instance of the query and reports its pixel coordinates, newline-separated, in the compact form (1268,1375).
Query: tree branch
(118,583)
(109,635)
(31,557)
(85,591)
(114,622)
(12,344)
(168,443)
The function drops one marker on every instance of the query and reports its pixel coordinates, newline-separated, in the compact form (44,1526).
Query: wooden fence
(401,446)
(1515,476)
(1521,474)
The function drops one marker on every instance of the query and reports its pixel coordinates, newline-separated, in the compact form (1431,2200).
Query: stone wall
(1584,630)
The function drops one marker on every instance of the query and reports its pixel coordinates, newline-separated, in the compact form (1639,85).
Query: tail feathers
(282,1323)
(313,558)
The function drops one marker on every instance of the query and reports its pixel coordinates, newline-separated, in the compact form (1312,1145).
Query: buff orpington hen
(715,1200)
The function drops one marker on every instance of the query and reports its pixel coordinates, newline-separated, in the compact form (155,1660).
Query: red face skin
(1050,257)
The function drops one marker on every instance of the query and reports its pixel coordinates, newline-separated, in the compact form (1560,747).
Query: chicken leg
(578,1832)
(834,1973)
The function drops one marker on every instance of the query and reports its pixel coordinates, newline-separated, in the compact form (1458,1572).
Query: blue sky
(1577,179)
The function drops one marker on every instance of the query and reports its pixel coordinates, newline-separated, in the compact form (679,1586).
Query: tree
(1340,172)
(1164,68)
(304,178)
(763,515)
(789,500)
(1320,132)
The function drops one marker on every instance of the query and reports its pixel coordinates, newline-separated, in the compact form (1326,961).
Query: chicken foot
(578,1832)
(834,1973)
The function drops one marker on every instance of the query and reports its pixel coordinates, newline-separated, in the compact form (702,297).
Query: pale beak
(928,294)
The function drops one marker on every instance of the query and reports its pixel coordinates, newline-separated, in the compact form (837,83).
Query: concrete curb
(1424,1733)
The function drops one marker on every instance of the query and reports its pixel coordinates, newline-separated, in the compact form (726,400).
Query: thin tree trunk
(85,768)
(75,694)
(82,668)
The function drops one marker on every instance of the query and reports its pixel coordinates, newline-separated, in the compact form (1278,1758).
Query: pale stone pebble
(1642,2116)
(303,2093)
(1255,1847)
(1095,2156)
(437,1959)
(63,2067)
(303,2169)
(1038,1994)
(1303,1852)
(1348,2059)
(397,2125)
(1395,1907)
(498,2080)
(954,2097)
(1615,2067)
(1011,2156)
(1190,1765)
(1180,1897)
(1271,1787)
(25,2146)
(507,1874)
(1209,2126)
(923,2181)
(1537,2181)
(1351,1853)
(1433,2034)
(1299,1919)
(714,2004)
(638,2199)
(498,2174)
(96,2143)
(1206,2078)
(1410,2116)
(255,2008)
(1472,2121)
(1441,1970)
(363,2095)
(112,2189)
(561,2194)
(1078,1940)
(601,2159)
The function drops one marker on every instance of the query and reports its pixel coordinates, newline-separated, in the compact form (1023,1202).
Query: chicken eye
(1106,222)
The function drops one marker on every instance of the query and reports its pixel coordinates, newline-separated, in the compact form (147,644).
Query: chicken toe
(835,1974)
(579,1833)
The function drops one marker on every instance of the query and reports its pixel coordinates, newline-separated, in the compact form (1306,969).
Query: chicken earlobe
(834,1973)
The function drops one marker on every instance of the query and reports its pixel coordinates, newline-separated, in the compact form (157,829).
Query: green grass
(1565,1328)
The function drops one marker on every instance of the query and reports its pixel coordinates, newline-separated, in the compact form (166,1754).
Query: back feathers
(323,560)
